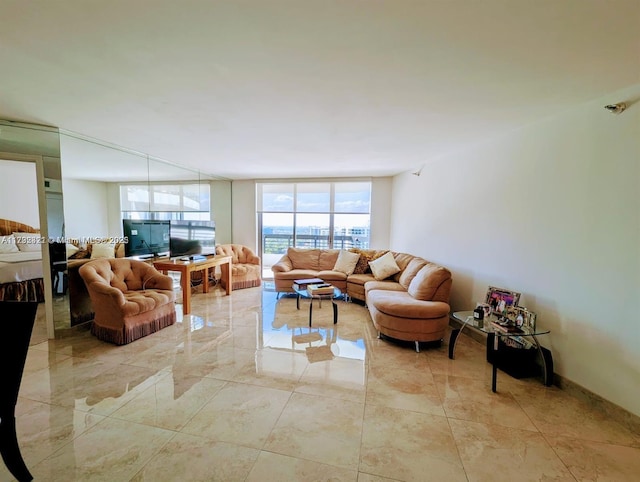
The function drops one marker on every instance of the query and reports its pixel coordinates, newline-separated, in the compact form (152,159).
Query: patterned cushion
(366,255)
(80,254)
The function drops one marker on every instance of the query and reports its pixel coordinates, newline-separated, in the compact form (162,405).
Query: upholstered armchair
(131,299)
(246,270)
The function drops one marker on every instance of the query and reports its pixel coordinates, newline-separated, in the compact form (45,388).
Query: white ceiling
(271,88)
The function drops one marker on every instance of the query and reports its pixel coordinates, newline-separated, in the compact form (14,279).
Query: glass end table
(465,318)
(303,293)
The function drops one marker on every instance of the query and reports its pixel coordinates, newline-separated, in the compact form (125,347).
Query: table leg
(310,310)
(335,312)
(205,280)
(225,268)
(494,378)
(452,342)
(10,449)
(185,281)
(453,339)
(494,374)
(298,302)
(547,364)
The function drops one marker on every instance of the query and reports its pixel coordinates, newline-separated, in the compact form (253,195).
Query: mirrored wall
(80,189)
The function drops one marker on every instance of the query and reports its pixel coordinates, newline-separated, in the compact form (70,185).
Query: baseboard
(615,412)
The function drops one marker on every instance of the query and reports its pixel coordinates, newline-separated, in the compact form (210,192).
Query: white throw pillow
(28,241)
(346,262)
(103,250)
(71,249)
(384,266)
(8,244)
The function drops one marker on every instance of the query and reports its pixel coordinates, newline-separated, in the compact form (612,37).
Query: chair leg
(417,346)
(10,450)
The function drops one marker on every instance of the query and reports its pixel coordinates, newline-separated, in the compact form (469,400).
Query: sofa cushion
(384,267)
(28,241)
(410,271)
(304,258)
(328,276)
(103,250)
(295,274)
(388,285)
(346,262)
(80,254)
(425,284)
(401,304)
(402,260)
(327,259)
(366,255)
(360,279)
(8,244)
(71,249)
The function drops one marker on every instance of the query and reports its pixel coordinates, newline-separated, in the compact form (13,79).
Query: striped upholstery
(7,226)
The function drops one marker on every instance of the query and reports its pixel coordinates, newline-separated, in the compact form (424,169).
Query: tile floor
(242,389)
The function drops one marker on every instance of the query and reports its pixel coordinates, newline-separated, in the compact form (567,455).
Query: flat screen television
(192,238)
(146,237)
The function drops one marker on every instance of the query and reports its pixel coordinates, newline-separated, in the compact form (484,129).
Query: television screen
(190,238)
(146,237)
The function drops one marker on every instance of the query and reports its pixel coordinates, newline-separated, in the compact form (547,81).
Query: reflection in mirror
(91,174)
(105,184)
(31,190)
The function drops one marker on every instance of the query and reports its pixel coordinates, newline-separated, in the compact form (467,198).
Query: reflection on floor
(243,389)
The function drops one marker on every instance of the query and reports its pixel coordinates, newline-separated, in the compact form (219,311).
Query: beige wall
(381,190)
(86,209)
(19,192)
(243,213)
(221,210)
(551,210)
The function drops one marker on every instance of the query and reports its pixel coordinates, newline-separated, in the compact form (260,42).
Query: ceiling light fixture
(616,108)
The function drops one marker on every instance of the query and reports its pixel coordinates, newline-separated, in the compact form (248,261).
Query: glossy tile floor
(242,389)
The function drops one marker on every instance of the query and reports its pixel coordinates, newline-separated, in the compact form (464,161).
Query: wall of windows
(166,201)
(312,215)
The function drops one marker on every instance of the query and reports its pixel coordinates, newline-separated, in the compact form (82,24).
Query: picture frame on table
(500,300)
(522,317)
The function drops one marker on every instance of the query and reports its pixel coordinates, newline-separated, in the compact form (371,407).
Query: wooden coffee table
(187,267)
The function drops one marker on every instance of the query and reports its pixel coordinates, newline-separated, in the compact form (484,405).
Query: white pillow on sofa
(28,241)
(346,262)
(71,249)
(8,244)
(384,266)
(103,250)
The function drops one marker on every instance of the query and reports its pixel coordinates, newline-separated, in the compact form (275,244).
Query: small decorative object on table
(303,283)
(521,317)
(320,289)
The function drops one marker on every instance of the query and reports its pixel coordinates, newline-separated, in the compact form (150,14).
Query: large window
(166,201)
(312,215)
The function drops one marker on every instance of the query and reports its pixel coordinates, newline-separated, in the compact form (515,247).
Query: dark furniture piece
(17,319)
(58,259)
(520,363)
(517,362)
(303,293)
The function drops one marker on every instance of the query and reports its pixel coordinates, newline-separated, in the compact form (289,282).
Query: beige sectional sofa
(411,305)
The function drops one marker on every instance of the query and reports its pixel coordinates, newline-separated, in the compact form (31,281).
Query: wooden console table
(185,268)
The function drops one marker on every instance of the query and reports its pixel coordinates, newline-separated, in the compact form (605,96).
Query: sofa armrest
(158,281)
(253,259)
(283,265)
(108,293)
